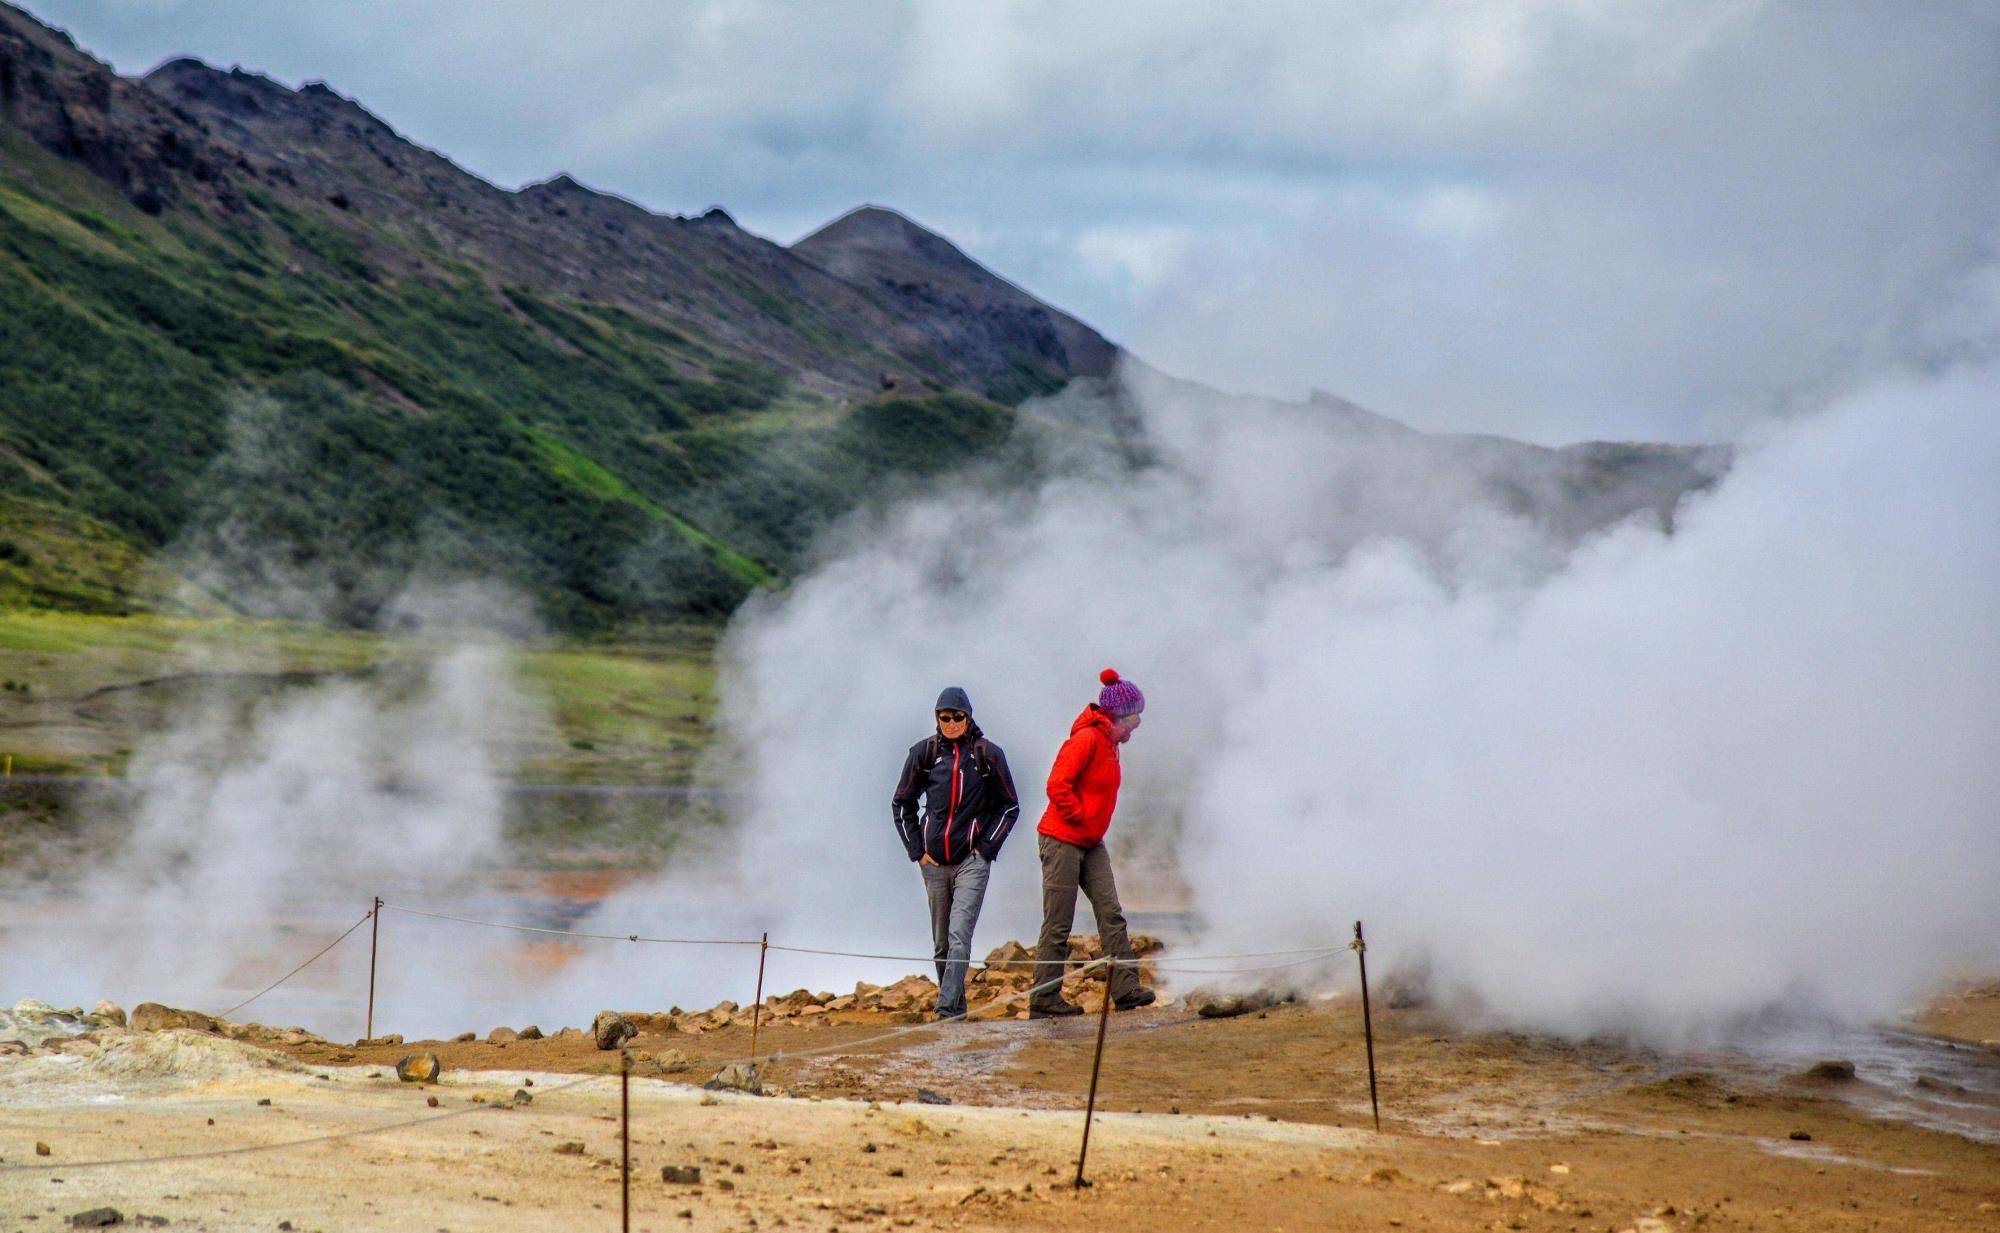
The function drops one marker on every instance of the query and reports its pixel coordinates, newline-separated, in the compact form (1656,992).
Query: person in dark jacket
(969,806)
(1083,794)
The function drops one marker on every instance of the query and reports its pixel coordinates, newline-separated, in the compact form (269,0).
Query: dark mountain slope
(253,323)
(259,351)
(961,305)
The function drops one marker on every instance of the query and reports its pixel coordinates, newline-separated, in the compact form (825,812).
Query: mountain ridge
(257,340)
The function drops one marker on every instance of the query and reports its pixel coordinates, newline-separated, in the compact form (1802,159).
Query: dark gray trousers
(1066,869)
(955,892)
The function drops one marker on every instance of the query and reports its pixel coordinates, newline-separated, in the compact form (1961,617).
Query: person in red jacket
(1083,792)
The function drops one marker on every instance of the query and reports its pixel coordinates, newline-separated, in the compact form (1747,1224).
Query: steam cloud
(1650,780)
(1652,783)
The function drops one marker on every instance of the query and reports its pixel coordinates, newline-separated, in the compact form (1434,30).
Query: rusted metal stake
(374,936)
(1367,1023)
(757,1006)
(625,1140)
(1096,1064)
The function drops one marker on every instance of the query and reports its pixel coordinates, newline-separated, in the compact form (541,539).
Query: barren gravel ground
(1483,1131)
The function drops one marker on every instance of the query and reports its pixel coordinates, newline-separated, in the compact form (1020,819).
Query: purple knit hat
(1119,697)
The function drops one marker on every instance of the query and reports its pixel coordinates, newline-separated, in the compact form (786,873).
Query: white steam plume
(1651,783)
(255,836)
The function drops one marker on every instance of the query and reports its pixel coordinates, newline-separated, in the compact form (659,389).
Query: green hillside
(260,355)
(183,384)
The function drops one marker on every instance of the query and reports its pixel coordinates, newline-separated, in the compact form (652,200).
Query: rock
(502,1035)
(431,1102)
(1406,990)
(681,1175)
(531,1032)
(569,1147)
(97,1218)
(611,1029)
(1210,1004)
(522,1096)
(153,1017)
(419,1068)
(1800,1136)
(1009,954)
(465,1038)
(391,1039)
(737,1077)
(1835,1070)
(109,1012)
(33,1024)
(41,1148)
(910,993)
(925,1096)
(672,1061)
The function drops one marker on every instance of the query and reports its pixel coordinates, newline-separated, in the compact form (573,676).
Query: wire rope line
(1165,963)
(1311,952)
(254,1148)
(1317,957)
(578,933)
(317,956)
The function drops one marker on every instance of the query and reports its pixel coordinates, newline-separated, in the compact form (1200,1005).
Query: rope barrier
(1311,951)
(224,1014)
(847,1046)
(288,1143)
(575,933)
(1315,957)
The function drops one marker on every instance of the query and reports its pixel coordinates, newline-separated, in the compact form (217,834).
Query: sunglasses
(952,717)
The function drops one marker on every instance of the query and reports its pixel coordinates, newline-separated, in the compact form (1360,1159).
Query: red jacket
(1083,784)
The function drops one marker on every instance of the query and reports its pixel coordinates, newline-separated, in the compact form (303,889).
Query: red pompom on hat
(1119,697)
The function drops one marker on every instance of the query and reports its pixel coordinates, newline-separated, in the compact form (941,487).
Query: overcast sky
(1557,220)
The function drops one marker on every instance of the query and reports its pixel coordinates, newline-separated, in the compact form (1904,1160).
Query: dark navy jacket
(969,802)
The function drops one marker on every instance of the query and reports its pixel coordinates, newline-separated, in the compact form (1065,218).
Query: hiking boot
(1055,1010)
(948,1016)
(1145,997)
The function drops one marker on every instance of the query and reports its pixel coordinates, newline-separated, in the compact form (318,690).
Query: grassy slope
(171,383)
(621,713)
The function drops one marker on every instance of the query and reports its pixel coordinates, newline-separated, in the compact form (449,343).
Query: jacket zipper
(952,812)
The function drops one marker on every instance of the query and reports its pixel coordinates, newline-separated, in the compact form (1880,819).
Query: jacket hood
(1093,717)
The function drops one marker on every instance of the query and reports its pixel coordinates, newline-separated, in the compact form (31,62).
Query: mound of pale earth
(116,1062)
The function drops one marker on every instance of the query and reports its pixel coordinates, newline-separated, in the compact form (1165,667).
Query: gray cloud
(1549,219)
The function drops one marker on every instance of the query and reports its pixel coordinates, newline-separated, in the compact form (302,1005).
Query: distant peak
(716,214)
(877,229)
(181,66)
(560,183)
(876,225)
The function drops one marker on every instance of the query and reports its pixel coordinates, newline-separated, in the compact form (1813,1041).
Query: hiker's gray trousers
(955,891)
(1065,869)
